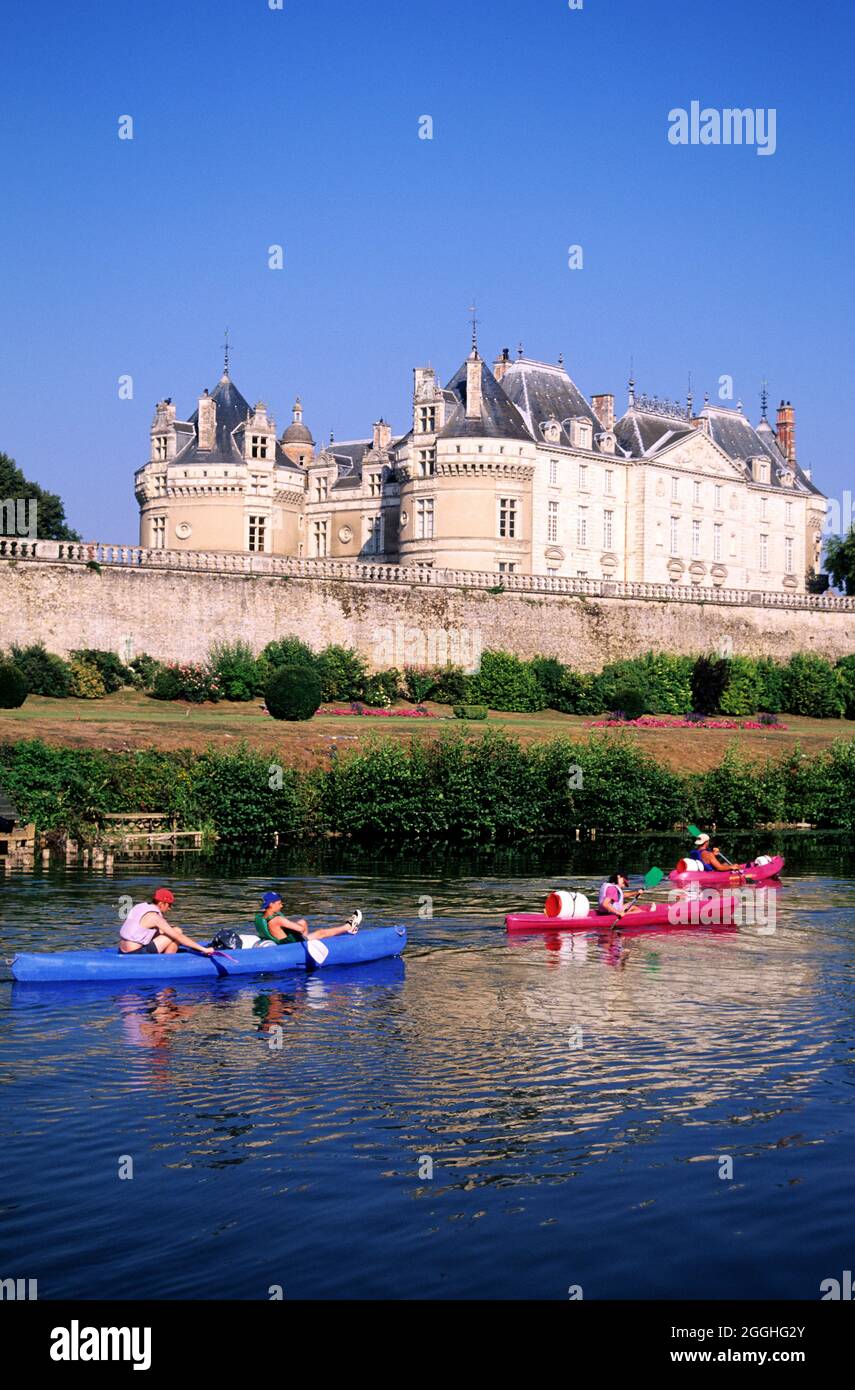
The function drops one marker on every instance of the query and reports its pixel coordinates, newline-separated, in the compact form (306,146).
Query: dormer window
(322,489)
(427,419)
(258,449)
(375,484)
(161,447)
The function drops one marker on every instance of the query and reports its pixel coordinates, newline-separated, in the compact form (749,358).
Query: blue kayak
(75,967)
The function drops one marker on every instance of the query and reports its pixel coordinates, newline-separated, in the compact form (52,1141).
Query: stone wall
(175,614)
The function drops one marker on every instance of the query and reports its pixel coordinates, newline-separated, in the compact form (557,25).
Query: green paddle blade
(693,830)
(653,877)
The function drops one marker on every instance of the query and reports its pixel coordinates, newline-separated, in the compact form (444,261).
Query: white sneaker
(354,920)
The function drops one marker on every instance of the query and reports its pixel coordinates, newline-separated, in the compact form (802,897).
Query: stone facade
(173,606)
(510,470)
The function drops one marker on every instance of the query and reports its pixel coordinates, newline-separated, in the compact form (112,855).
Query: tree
(840,561)
(51,522)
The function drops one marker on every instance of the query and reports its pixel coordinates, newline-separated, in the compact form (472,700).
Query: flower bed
(650,721)
(357,708)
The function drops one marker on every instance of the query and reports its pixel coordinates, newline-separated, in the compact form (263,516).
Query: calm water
(553,1164)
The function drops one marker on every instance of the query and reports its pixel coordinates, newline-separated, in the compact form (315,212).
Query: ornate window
(508,518)
(427,419)
(158,532)
(257,533)
(427,463)
(161,447)
(258,448)
(319,538)
(424,518)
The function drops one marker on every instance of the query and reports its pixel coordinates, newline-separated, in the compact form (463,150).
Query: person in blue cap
(272,924)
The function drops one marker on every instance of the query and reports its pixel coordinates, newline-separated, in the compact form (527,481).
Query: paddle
(651,879)
(317,951)
(694,831)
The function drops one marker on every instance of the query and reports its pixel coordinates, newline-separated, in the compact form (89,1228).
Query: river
(667,1116)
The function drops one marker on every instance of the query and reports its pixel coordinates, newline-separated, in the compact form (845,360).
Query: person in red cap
(146,929)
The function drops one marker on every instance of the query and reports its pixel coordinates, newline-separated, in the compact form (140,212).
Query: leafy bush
(293,692)
(452,685)
(236,670)
(710,675)
(13,686)
(745,688)
(342,672)
(470,711)
(630,697)
(87,683)
(846,680)
(193,682)
(288,651)
(44,673)
(113,672)
(549,673)
(503,682)
(381,689)
(739,793)
(812,686)
(418,683)
(143,671)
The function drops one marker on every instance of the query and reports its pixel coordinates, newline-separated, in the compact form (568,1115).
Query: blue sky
(299,127)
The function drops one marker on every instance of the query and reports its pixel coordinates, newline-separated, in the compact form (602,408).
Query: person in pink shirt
(146,929)
(614,896)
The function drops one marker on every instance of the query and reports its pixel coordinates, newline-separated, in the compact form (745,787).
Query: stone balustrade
(288,567)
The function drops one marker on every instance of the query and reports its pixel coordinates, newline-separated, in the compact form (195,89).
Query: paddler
(272,924)
(711,857)
(612,901)
(146,929)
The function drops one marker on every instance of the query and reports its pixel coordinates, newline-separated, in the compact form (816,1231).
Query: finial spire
(519,349)
(689,397)
(631,383)
(226,354)
(764,399)
(475,322)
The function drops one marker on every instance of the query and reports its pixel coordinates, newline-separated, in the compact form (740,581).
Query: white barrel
(690,866)
(564,904)
(763,859)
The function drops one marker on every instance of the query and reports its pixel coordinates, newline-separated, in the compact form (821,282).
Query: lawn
(129,720)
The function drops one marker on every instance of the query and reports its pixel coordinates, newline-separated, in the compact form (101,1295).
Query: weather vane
(226,351)
(475,322)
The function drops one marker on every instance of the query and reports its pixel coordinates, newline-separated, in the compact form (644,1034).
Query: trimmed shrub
(236,669)
(710,675)
(549,673)
(293,692)
(86,681)
(470,711)
(13,686)
(342,672)
(113,672)
(503,682)
(44,673)
(812,686)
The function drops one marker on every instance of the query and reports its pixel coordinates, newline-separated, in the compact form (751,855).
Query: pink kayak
(715,910)
(712,878)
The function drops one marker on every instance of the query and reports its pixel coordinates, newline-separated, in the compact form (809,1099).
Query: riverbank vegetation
(458,787)
(653,683)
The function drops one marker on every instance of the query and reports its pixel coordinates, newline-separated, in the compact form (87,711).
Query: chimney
(786,432)
(501,364)
(207,422)
(604,409)
(382,436)
(473,387)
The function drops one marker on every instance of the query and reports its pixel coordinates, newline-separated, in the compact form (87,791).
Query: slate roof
(350,456)
(641,433)
(232,410)
(542,392)
(733,432)
(499,417)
